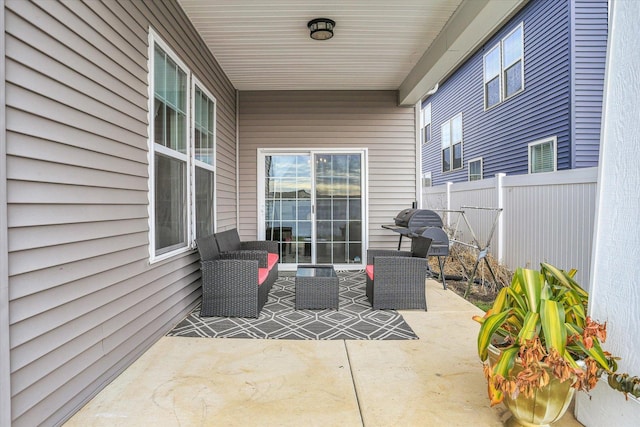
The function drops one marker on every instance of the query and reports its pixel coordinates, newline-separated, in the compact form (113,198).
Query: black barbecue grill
(423,223)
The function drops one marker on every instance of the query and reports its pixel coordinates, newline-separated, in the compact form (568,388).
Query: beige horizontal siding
(325,120)
(84,301)
(75,135)
(28,215)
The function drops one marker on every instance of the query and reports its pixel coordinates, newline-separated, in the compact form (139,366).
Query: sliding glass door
(287,216)
(312,204)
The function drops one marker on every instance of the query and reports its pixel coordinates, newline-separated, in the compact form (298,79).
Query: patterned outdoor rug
(355,319)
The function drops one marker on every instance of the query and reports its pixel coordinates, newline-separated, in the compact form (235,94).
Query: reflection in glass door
(338,202)
(288,206)
(314,210)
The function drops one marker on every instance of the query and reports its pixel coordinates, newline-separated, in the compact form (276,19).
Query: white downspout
(237,160)
(418,121)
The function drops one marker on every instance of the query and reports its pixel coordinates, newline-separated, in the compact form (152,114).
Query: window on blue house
(451,135)
(475,169)
(426,124)
(504,68)
(492,77)
(182,148)
(542,155)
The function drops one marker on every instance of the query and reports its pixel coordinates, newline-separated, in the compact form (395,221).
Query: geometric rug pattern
(354,320)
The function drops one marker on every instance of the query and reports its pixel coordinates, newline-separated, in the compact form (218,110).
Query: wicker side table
(316,287)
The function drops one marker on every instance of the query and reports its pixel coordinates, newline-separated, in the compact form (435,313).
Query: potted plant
(539,346)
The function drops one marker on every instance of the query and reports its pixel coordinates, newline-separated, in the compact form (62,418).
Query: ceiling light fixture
(321,28)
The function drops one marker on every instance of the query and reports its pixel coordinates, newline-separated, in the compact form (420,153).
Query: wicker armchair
(236,283)
(230,246)
(396,279)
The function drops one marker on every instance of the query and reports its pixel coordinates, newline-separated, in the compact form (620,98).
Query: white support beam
(468,28)
(614,296)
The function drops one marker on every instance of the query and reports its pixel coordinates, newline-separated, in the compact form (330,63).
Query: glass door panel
(288,206)
(338,200)
(314,210)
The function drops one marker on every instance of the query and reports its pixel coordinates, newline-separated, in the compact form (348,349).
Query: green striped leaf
(530,328)
(552,319)
(565,279)
(519,302)
(488,328)
(531,282)
(500,301)
(506,361)
(596,353)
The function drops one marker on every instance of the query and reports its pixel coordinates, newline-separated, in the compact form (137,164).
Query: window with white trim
(204,136)
(475,169)
(426,123)
(542,155)
(182,149)
(504,68)
(451,135)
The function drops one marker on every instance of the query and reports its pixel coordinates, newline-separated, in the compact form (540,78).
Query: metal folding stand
(482,250)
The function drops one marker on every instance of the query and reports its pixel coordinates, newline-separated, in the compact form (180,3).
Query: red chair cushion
(272,259)
(263,273)
(369,271)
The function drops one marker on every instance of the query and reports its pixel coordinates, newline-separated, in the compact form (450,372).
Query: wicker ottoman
(316,287)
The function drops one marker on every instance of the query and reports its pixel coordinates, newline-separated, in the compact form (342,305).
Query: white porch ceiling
(404,45)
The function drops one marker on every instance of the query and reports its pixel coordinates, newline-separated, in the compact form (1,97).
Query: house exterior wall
(84,301)
(340,119)
(501,134)
(589,38)
(5,369)
(615,296)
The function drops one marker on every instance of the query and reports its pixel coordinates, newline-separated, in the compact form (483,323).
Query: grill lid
(416,218)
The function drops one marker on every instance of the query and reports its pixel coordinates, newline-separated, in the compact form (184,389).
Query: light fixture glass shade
(321,28)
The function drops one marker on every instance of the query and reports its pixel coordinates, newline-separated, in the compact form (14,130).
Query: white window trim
(423,123)
(196,82)
(505,66)
(189,157)
(477,159)
(451,144)
(498,46)
(501,85)
(554,142)
(154,39)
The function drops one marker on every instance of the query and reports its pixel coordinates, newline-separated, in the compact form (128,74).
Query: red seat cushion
(263,273)
(369,271)
(272,259)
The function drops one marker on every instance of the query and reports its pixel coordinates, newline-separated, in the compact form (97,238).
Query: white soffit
(378,44)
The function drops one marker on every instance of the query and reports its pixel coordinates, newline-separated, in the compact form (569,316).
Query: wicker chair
(234,284)
(396,279)
(230,246)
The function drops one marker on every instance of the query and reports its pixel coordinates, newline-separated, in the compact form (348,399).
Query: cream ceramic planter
(547,405)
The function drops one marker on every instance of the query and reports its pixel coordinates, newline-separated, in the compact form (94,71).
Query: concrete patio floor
(434,381)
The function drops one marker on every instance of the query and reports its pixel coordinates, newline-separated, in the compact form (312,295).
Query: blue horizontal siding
(501,134)
(589,46)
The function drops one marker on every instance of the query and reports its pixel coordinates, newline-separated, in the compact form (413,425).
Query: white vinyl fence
(546,217)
